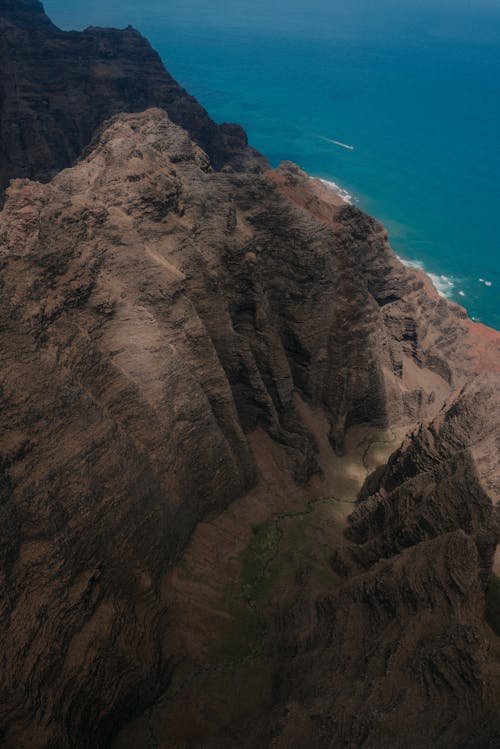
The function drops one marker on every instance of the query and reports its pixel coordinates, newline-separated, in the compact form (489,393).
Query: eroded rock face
(58,87)
(400,655)
(423,546)
(445,476)
(393,347)
(156,311)
(401,660)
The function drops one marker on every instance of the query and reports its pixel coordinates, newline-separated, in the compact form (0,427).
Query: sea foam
(344,194)
(444,285)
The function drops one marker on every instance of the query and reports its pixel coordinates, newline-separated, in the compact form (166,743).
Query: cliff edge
(249,461)
(57,88)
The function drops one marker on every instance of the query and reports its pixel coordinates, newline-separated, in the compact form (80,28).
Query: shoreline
(341,192)
(445,285)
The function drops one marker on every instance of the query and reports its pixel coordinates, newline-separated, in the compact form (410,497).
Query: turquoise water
(415,89)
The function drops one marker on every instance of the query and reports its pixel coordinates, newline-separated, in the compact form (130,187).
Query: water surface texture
(414,90)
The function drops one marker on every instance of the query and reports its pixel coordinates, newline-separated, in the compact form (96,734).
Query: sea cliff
(249,464)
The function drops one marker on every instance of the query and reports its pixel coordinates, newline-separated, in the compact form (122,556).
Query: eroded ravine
(264,564)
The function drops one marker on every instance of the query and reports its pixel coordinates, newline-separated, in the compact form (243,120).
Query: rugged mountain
(405,636)
(397,653)
(56,89)
(155,313)
(204,370)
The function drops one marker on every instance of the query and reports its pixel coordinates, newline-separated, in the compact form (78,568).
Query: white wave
(416,264)
(462,293)
(336,142)
(444,288)
(346,196)
(443,284)
(486,283)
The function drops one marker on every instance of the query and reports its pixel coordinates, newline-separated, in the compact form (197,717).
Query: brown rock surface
(397,653)
(390,648)
(201,369)
(155,313)
(56,89)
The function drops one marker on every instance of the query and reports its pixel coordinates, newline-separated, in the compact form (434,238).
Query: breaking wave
(344,194)
(444,285)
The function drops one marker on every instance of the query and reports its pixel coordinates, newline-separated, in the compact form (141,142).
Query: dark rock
(164,303)
(47,119)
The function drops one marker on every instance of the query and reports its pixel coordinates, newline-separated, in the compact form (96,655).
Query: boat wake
(336,142)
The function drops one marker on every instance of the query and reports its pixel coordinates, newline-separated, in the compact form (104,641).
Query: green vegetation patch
(276,549)
(243,633)
(256,574)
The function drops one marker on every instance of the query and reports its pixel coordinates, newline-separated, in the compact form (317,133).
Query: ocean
(396,102)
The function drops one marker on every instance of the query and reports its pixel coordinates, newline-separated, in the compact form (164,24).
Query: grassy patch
(493,603)
(243,633)
(256,575)
(276,550)
(305,544)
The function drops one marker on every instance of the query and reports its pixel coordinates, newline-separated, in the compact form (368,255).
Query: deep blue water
(414,88)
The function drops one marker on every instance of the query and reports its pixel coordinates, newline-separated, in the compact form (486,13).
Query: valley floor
(243,574)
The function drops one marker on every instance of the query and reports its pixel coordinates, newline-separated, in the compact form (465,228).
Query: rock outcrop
(400,654)
(157,313)
(57,88)
(154,313)
(423,543)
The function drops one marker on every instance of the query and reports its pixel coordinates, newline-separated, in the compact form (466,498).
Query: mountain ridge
(249,468)
(46,121)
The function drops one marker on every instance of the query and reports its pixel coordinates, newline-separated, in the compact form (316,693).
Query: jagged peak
(27,13)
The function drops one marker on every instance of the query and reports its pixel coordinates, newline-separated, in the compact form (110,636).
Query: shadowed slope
(58,87)
(154,314)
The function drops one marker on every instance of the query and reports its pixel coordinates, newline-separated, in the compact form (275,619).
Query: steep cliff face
(393,348)
(443,476)
(58,87)
(201,366)
(154,313)
(423,542)
(398,654)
